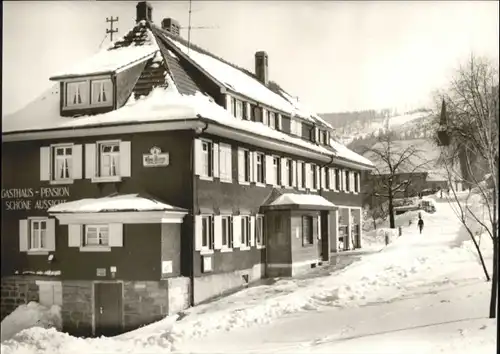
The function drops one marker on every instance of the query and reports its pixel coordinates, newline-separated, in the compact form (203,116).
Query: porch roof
(300,201)
(115,203)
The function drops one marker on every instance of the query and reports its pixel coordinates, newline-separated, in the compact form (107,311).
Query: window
(276,170)
(245,111)
(337,179)
(225,163)
(233,106)
(62,162)
(259,231)
(246,159)
(260,162)
(271,118)
(288,177)
(207,232)
(38,235)
(307,231)
(239,109)
(77,93)
(312,176)
(356,182)
(347,182)
(303,181)
(96,235)
(109,159)
(227,232)
(101,92)
(326,177)
(245,231)
(206,148)
(253,112)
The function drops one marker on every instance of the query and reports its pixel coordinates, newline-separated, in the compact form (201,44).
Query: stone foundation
(211,286)
(77,308)
(17,291)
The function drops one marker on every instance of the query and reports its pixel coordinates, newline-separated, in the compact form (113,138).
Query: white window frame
(208,166)
(245,232)
(247,166)
(276,170)
(228,246)
(31,236)
(260,242)
(288,178)
(54,177)
(262,176)
(109,95)
(68,103)
(208,238)
(99,156)
(99,228)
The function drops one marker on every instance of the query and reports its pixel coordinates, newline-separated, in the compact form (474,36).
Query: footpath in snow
(412,287)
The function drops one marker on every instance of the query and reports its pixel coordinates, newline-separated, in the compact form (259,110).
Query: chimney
(171,25)
(144,11)
(261,67)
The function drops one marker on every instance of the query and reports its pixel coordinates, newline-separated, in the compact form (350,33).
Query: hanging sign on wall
(155,158)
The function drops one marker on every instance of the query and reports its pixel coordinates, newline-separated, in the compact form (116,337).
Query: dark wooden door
(108,309)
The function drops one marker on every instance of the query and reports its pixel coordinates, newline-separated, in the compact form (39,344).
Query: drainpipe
(197,133)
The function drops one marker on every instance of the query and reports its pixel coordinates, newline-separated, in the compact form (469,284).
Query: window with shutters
(245,231)
(337,179)
(288,177)
(207,158)
(108,159)
(62,162)
(276,170)
(260,166)
(227,232)
(207,232)
(38,235)
(347,181)
(259,231)
(88,93)
(96,235)
(307,230)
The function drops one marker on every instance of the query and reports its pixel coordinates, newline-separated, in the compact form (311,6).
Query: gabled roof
(300,201)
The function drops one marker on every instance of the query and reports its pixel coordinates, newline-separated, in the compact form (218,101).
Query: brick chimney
(171,25)
(261,67)
(144,11)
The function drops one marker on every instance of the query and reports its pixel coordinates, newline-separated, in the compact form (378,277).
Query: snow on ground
(31,315)
(439,280)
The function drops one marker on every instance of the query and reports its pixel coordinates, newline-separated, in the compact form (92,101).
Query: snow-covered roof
(345,153)
(109,60)
(114,203)
(301,200)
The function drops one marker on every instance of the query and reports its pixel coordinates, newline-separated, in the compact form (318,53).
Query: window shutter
(217,232)
(308,176)
(77,162)
(125,159)
(215,159)
(74,235)
(322,178)
(316,135)
(319,227)
(198,157)
(90,165)
(331,173)
(236,231)
(51,235)
(198,230)
(229,162)
(299,174)
(359,182)
(284,174)
(265,118)
(280,122)
(248,110)
(252,231)
(351,181)
(222,162)
(293,182)
(344,181)
(292,126)
(116,235)
(241,165)
(45,163)
(254,166)
(228,104)
(269,169)
(317,175)
(251,157)
(23,235)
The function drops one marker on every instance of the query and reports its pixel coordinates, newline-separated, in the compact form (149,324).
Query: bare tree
(468,135)
(393,161)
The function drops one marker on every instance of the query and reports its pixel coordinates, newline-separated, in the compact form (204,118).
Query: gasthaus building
(157,175)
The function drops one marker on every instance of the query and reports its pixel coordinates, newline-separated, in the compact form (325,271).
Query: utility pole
(111,30)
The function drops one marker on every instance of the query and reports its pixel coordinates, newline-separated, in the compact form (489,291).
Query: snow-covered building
(156,176)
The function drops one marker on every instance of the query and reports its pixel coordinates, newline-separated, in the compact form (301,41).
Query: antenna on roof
(189,28)
(111,30)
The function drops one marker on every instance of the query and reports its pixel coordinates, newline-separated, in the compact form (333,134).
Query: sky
(335,56)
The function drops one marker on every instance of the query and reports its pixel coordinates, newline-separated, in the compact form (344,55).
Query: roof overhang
(297,207)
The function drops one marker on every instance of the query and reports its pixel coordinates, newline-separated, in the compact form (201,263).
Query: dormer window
(76,93)
(88,93)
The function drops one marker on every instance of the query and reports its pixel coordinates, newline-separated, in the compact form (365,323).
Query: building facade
(156,176)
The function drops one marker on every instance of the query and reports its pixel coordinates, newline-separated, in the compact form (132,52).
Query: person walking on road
(420,223)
